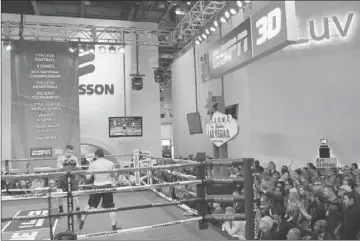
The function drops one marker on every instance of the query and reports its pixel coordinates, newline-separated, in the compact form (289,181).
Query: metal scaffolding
(85,34)
(195,19)
(182,36)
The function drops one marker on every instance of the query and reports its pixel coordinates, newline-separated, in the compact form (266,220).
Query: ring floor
(125,219)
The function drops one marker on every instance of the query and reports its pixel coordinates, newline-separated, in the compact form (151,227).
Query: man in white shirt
(103,180)
(68,162)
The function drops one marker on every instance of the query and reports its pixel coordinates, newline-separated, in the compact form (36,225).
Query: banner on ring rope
(44,100)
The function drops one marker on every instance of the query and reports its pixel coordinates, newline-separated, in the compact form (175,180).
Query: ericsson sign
(268,31)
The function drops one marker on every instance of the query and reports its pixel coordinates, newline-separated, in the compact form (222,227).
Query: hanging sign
(221,128)
(326,162)
(267,31)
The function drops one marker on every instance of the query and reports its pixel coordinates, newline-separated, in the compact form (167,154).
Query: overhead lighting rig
(223,16)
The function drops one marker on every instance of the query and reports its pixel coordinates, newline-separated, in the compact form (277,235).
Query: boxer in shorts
(68,162)
(102,180)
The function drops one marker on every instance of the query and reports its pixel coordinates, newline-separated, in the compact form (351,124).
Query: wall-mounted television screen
(194,122)
(125,126)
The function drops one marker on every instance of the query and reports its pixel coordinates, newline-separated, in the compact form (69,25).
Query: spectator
(266,229)
(321,231)
(276,198)
(294,234)
(350,223)
(292,209)
(282,226)
(235,229)
(332,205)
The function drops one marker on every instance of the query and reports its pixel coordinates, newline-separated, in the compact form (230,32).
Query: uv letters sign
(221,128)
(45,99)
(269,30)
(326,162)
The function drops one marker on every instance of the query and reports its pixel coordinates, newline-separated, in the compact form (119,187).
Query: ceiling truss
(182,35)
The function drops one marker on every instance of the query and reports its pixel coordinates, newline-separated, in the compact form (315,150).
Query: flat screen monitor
(232,110)
(125,126)
(194,122)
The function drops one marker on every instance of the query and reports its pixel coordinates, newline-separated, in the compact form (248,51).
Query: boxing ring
(147,203)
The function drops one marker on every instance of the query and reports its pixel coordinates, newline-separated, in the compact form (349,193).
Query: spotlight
(188,3)
(223,20)
(204,36)
(112,50)
(7,45)
(81,48)
(199,38)
(121,50)
(72,48)
(197,42)
(232,11)
(248,1)
(91,49)
(239,3)
(227,14)
(207,31)
(102,49)
(212,29)
(216,24)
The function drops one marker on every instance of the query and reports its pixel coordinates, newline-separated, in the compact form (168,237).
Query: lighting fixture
(204,36)
(227,14)
(121,50)
(91,49)
(239,3)
(233,11)
(207,31)
(188,3)
(247,1)
(197,42)
(81,48)
(199,38)
(212,29)
(102,49)
(216,24)
(223,20)
(7,45)
(72,48)
(112,50)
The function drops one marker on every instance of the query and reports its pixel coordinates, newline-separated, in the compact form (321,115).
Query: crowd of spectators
(306,203)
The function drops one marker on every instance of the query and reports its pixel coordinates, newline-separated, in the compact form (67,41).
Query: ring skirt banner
(45,101)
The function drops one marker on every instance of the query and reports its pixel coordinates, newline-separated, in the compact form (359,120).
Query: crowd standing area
(302,204)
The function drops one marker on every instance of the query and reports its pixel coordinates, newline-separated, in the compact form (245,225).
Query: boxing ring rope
(201,198)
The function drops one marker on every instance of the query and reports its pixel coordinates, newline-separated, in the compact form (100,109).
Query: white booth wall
(288,100)
(96,109)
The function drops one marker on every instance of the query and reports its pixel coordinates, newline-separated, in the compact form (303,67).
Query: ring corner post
(200,190)
(49,213)
(70,201)
(249,199)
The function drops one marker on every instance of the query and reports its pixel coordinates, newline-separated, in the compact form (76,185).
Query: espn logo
(41,152)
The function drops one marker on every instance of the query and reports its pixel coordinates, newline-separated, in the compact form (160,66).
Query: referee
(103,180)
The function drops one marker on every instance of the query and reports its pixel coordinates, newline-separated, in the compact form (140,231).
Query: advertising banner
(44,100)
(269,30)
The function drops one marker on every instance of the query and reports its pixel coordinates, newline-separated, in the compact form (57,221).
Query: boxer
(102,180)
(68,162)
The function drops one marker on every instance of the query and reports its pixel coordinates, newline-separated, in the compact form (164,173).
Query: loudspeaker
(137,83)
(324,152)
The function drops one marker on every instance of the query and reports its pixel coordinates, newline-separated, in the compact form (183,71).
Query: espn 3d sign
(269,30)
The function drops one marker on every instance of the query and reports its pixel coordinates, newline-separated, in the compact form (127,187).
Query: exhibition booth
(105,94)
(286,101)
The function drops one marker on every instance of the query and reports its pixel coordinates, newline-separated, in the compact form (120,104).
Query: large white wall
(287,101)
(96,109)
